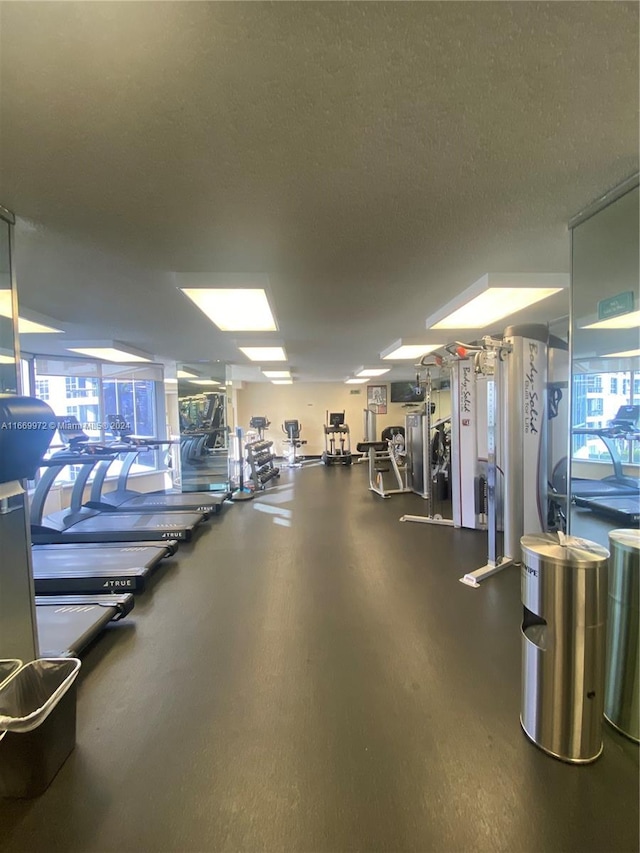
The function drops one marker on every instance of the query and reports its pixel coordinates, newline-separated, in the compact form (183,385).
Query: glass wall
(604,484)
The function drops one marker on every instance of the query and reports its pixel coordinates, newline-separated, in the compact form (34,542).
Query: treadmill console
(627,417)
(70,431)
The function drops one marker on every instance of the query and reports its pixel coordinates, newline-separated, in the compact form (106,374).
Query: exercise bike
(292,430)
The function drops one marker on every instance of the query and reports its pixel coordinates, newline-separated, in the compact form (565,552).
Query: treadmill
(68,623)
(617,496)
(65,625)
(69,569)
(79,523)
(123,499)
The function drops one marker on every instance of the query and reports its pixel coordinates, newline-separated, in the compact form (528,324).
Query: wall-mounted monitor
(407,392)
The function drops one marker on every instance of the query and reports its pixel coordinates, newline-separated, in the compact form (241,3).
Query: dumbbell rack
(260,460)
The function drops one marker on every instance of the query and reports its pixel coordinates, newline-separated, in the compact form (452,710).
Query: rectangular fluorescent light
(410,351)
(7,359)
(29,327)
(204,381)
(495,296)
(282,381)
(624,321)
(277,374)
(264,353)
(630,353)
(109,351)
(372,371)
(355,381)
(493,305)
(25,327)
(185,374)
(108,354)
(234,309)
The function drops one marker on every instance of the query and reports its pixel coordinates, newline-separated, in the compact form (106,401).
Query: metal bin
(622,685)
(37,724)
(564,597)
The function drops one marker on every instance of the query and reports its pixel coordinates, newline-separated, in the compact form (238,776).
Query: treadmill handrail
(608,439)
(54,466)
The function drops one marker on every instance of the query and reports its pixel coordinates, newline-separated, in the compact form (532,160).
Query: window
(80,386)
(134,402)
(596,400)
(595,406)
(72,395)
(42,389)
(90,392)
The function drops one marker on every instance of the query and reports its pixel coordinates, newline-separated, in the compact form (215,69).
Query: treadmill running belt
(600,488)
(68,623)
(92,570)
(172,502)
(123,527)
(623,508)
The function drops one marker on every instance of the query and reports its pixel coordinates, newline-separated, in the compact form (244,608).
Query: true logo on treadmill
(112,584)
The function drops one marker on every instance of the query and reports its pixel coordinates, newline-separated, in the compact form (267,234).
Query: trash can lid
(628,539)
(564,550)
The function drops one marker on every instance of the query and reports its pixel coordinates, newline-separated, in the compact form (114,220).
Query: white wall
(308,402)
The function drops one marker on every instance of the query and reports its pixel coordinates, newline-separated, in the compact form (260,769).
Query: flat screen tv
(406,392)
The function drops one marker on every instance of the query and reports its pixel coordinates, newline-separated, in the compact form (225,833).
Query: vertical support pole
(18,627)
(492,518)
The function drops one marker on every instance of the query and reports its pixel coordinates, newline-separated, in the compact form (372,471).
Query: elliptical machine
(260,424)
(337,440)
(292,430)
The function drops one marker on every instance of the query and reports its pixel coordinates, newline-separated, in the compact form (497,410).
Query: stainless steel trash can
(564,597)
(37,724)
(622,690)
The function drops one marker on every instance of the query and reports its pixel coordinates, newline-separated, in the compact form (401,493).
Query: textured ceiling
(371,158)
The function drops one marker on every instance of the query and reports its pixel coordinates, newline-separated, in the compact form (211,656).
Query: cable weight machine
(419,446)
(487,357)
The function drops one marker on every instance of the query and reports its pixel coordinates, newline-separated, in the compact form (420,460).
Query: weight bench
(382,460)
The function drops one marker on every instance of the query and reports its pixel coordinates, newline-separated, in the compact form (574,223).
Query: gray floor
(309,675)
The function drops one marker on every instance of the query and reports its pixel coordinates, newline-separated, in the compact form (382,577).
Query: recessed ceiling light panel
(406,352)
(109,351)
(372,371)
(277,374)
(495,296)
(107,354)
(623,321)
(264,353)
(630,353)
(355,381)
(234,309)
(25,326)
